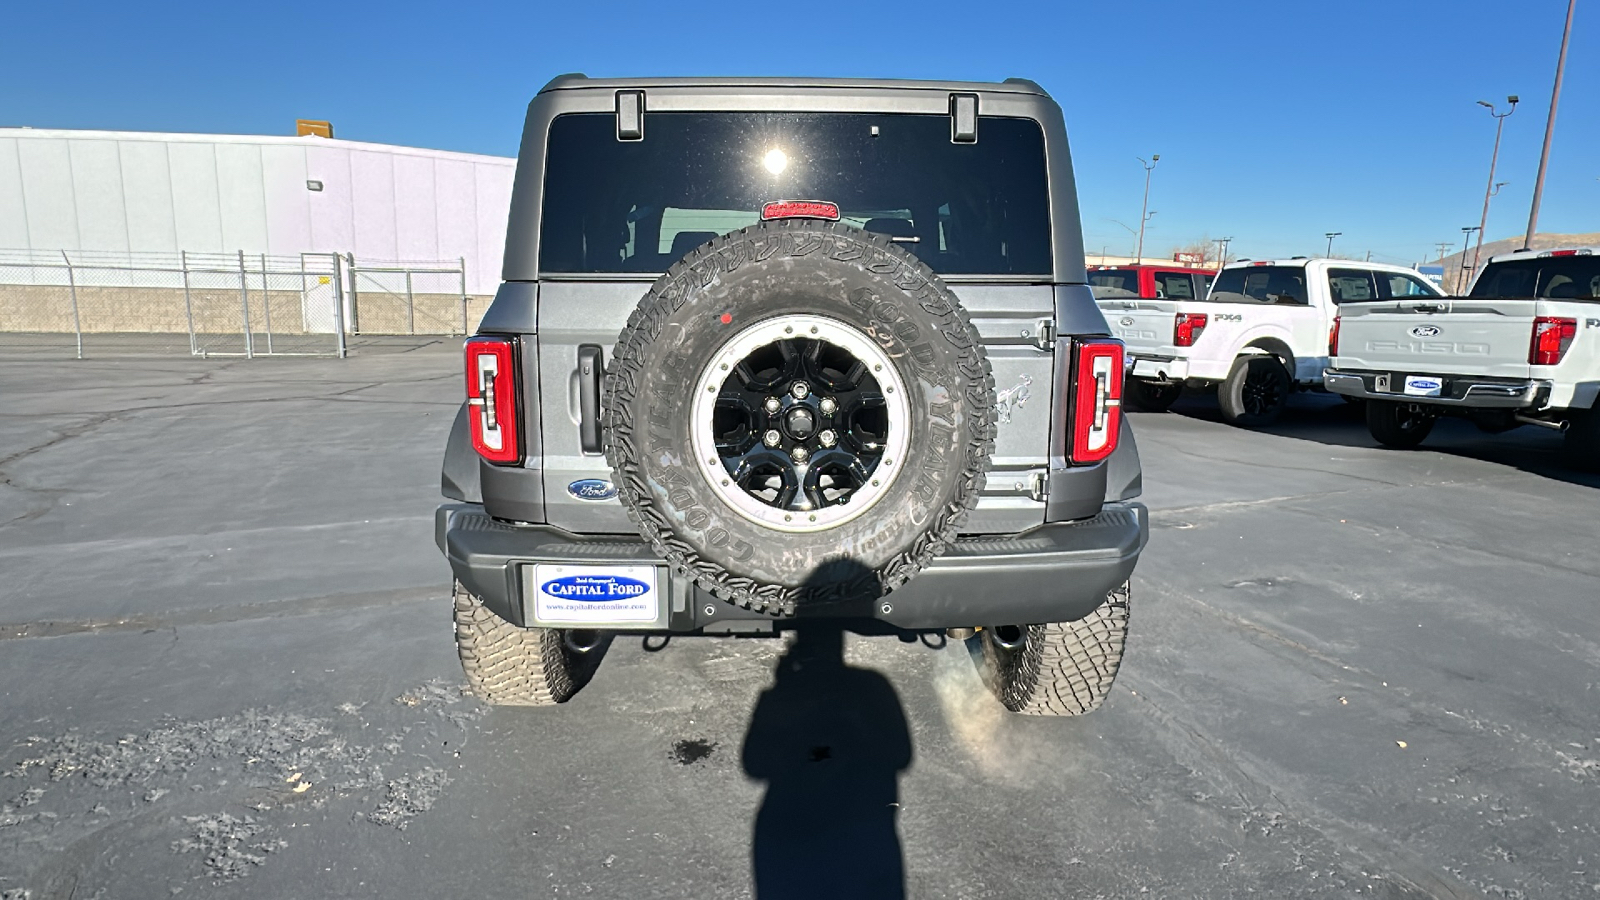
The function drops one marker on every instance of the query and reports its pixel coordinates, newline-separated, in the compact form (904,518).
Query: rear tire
(1255,391)
(1398,425)
(1060,668)
(1151,396)
(510,666)
(1581,446)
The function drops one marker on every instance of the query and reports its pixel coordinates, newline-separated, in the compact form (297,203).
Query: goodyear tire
(795,393)
(1057,669)
(1151,396)
(1398,425)
(510,666)
(1255,391)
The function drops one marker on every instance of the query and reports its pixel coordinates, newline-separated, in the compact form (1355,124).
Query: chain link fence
(83,303)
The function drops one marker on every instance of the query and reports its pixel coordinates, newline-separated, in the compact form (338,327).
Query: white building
(134,192)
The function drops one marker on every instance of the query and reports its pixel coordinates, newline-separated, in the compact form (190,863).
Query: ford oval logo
(595,588)
(1425,331)
(1127,320)
(592,489)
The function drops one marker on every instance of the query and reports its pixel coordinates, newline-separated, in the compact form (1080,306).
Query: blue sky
(1276,122)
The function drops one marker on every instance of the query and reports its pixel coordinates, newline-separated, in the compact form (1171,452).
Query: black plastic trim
(515,310)
(511,492)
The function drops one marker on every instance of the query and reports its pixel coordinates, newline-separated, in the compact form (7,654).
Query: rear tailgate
(1445,336)
(1145,326)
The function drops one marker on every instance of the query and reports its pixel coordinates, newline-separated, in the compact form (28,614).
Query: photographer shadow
(830,741)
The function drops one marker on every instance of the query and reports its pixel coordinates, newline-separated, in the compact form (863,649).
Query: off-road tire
(786,268)
(1150,396)
(1580,448)
(510,666)
(1255,392)
(1061,668)
(1393,424)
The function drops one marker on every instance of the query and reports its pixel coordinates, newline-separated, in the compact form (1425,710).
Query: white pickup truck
(1260,333)
(1522,348)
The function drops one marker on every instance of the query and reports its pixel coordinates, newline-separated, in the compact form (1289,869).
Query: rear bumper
(1157,368)
(1463,391)
(1054,573)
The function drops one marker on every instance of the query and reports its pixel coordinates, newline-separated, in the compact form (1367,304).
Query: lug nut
(800,390)
(829,406)
(799,454)
(772,437)
(773,405)
(828,438)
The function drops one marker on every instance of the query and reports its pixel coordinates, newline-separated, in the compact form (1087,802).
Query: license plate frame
(612,597)
(1423,386)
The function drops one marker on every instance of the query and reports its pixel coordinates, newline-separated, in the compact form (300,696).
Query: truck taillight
(1097,401)
(1552,335)
(492,398)
(1187,327)
(1333,338)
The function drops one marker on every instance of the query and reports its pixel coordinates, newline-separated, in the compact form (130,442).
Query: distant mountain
(1452,263)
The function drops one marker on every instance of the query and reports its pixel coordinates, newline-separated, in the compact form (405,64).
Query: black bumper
(1054,573)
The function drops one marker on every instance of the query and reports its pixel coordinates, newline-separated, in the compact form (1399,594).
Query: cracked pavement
(226,669)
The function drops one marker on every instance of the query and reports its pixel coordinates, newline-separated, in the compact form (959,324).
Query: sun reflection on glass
(775,161)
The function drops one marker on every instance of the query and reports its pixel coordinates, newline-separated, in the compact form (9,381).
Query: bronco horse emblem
(1013,398)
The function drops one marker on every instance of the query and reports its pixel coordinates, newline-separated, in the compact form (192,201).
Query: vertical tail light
(1187,328)
(1333,338)
(1552,335)
(492,398)
(1097,400)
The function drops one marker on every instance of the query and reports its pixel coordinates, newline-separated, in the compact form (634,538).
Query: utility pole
(1488,189)
(1143,218)
(1444,249)
(1466,232)
(1223,259)
(1549,131)
(1330,236)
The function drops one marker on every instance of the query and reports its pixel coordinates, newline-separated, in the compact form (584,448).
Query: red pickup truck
(1150,282)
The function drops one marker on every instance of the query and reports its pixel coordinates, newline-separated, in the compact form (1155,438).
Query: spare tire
(792,394)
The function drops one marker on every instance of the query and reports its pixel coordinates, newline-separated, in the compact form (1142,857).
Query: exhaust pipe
(1009,637)
(1560,425)
(580,640)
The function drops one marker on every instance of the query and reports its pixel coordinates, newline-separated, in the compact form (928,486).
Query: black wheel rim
(1262,391)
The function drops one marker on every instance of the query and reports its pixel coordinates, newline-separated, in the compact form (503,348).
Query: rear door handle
(591,365)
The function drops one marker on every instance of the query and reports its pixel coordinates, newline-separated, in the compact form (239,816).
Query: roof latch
(964,118)
(630,115)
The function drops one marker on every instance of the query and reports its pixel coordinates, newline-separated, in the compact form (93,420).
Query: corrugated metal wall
(135,192)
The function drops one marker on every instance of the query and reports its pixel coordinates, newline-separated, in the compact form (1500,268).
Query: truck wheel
(1151,396)
(1399,425)
(1580,448)
(1255,391)
(510,666)
(775,386)
(1058,669)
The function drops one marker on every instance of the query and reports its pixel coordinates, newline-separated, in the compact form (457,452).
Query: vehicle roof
(1122,267)
(576,81)
(1306,260)
(1536,254)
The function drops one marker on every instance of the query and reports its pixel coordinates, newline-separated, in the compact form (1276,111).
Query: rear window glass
(1553,278)
(1260,284)
(1175,285)
(1114,283)
(615,206)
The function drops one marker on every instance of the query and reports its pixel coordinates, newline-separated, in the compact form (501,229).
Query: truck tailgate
(1447,336)
(1145,326)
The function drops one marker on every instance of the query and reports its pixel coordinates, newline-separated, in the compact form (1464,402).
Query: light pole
(1466,238)
(1143,217)
(1549,131)
(1222,260)
(1488,189)
(1330,236)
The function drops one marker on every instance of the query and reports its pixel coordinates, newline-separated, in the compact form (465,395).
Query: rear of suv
(772,351)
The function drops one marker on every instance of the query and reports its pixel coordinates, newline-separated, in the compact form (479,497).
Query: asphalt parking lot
(226,669)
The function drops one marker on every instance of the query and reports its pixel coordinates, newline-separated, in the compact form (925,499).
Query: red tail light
(1097,401)
(1551,338)
(492,398)
(1333,338)
(1186,330)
